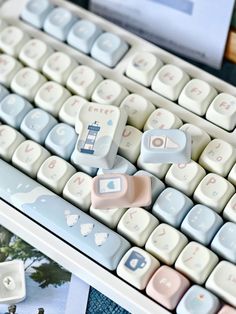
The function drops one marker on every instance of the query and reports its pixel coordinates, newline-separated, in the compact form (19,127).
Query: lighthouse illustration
(93,130)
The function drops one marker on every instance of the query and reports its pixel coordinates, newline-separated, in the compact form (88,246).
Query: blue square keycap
(121,165)
(3,92)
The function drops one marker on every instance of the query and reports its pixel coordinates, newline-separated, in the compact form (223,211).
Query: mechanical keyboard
(176,255)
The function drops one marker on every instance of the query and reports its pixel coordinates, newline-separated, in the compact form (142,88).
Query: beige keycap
(9,66)
(162,119)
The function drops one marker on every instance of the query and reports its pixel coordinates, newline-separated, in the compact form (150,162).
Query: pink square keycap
(226,309)
(167,287)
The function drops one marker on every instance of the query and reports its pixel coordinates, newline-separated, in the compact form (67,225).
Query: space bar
(62,218)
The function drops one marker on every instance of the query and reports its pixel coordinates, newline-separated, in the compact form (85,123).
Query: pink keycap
(167,286)
(226,309)
(113,190)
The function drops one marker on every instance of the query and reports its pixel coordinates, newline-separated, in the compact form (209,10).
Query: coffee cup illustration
(135,261)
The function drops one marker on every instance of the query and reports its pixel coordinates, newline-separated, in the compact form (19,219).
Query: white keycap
(222,282)
(197,96)
(12,40)
(196,262)
(83,80)
(51,97)
(169,81)
(162,119)
(29,156)
(54,173)
(9,66)
(26,82)
(58,67)
(130,143)
(136,225)
(232,175)
(185,177)
(109,92)
(138,110)
(70,108)
(3,24)
(10,139)
(166,243)
(137,266)
(78,190)
(34,53)
(229,212)
(158,170)
(222,111)
(214,191)
(142,67)
(199,139)
(219,157)
(109,217)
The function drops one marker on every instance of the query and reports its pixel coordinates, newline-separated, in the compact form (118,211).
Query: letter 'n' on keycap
(100,129)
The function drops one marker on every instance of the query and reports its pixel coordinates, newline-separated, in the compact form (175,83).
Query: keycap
(198,300)
(172,206)
(166,243)
(197,96)
(142,67)
(157,169)
(12,282)
(26,83)
(83,80)
(12,39)
(201,224)
(169,81)
(196,262)
(214,191)
(70,108)
(224,242)
(35,12)
(167,287)
(136,267)
(120,190)
(109,92)
(162,119)
(138,110)
(100,129)
(219,157)
(226,309)
(165,146)
(83,34)
(136,225)
(3,92)
(130,143)
(37,124)
(232,175)
(3,24)
(13,109)
(10,139)
(9,66)
(222,111)
(58,67)
(109,49)
(222,282)
(92,171)
(61,140)
(54,173)
(78,190)
(51,97)
(109,217)
(35,53)
(58,23)
(74,226)
(121,165)
(199,139)
(29,156)
(229,212)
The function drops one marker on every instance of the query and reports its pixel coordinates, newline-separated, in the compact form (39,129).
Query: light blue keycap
(13,109)
(157,185)
(68,222)
(59,22)
(198,300)
(224,243)
(166,146)
(37,124)
(3,92)
(83,34)
(89,170)
(121,165)
(61,140)
(35,12)
(201,224)
(172,206)
(109,49)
